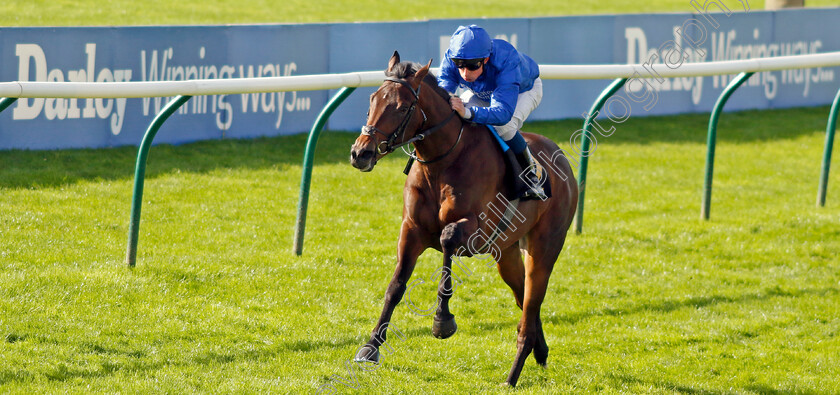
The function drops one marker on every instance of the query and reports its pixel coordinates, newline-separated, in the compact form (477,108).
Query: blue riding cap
(469,42)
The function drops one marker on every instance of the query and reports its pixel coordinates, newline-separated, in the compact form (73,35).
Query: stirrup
(533,190)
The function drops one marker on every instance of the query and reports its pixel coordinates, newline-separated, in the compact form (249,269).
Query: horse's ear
(395,59)
(420,74)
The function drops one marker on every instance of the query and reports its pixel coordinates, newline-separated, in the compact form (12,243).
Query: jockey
(502,88)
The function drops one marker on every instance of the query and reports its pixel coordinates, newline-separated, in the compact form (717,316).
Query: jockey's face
(472,75)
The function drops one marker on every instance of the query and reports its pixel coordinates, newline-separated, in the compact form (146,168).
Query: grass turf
(163,12)
(649,299)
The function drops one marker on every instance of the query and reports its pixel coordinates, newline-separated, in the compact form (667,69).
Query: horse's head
(394,114)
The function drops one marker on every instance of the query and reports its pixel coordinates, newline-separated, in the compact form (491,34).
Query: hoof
(445,328)
(507,385)
(541,355)
(367,354)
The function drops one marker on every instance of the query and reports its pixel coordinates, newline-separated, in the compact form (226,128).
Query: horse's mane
(407,69)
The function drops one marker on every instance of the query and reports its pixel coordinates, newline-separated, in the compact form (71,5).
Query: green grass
(164,12)
(649,299)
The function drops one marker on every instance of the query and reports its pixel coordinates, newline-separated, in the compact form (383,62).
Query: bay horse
(458,175)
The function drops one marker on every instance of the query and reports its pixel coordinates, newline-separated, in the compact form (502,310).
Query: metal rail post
(712,139)
(140,175)
(584,149)
(829,143)
(308,159)
(6,102)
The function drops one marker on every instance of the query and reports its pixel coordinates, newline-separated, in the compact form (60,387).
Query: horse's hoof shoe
(367,354)
(445,328)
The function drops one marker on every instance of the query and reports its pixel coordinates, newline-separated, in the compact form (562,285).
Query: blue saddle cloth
(501,142)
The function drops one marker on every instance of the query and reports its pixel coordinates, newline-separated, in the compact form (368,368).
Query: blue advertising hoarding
(158,54)
(169,53)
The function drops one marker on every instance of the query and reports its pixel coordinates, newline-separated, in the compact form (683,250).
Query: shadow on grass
(622,380)
(667,306)
(765,389)
(307,345)
(36,169)
(663,306)
(138,361)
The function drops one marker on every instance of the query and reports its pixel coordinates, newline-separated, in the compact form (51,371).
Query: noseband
(399,132)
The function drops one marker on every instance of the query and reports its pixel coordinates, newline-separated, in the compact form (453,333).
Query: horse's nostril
(362,159)
(366,155)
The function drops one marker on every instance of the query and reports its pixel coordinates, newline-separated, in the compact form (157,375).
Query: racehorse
(458,178)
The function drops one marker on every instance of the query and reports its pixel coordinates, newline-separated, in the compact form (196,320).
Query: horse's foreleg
(410,247)
(453,237)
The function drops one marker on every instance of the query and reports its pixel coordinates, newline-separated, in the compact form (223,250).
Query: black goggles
(469,64)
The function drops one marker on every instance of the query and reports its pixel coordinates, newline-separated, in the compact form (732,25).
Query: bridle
(399,132)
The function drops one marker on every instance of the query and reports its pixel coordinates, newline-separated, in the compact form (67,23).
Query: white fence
(32,89)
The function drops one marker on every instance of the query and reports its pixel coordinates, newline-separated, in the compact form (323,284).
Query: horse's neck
(471,146)
(472,170)
(445,142)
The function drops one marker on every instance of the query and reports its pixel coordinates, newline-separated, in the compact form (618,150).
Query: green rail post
(308,159)
(6,102)
(140,174)
(829,143)
(584,149)
(711,140)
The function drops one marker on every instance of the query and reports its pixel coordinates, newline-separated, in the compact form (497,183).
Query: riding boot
(530,176)
(520,188)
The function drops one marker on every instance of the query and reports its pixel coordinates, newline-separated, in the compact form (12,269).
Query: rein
(370,130)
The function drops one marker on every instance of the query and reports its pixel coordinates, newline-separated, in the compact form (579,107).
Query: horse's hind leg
(539,261)
(541,347)
(512,271)
(536,282)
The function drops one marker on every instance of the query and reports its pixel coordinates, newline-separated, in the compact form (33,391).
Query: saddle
(516,182)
